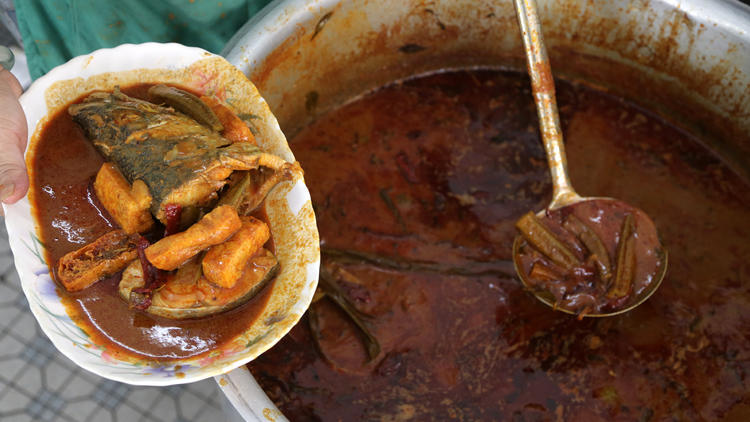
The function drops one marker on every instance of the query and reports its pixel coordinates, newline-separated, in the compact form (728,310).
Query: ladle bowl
(548,298)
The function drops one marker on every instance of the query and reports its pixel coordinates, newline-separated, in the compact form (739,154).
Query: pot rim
(278,21)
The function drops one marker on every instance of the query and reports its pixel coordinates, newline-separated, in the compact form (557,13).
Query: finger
(13,132)
(11,82)
(14,181)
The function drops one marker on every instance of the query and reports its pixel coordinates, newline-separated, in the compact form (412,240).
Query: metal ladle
(563,195)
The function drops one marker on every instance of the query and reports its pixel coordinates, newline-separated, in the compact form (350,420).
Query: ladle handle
(543,87)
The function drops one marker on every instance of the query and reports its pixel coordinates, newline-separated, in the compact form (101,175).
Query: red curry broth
(69,217)
(437,169)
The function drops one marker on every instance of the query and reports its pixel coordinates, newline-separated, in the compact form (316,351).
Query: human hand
(14,181)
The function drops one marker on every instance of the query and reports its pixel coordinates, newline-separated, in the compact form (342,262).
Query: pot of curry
(426,110)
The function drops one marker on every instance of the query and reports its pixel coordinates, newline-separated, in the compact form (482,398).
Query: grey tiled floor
(37,383)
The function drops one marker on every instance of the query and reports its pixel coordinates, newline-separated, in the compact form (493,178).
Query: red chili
(172,213)
(146,267)
(153,279)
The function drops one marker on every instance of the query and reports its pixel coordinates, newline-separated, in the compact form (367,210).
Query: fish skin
(198,297)
(166,149)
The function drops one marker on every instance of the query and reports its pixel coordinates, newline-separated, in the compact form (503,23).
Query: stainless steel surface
(686,59)
(248,399)
(543,88)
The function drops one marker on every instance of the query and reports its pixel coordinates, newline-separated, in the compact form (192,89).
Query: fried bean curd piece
(214,228)
(258,270)
(223,263)
(187,294)
(103,257)
(235,129)
(129,206)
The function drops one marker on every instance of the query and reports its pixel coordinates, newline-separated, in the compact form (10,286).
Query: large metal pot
(688,60)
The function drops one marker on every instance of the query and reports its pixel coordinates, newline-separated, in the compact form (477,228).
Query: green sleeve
(54,31)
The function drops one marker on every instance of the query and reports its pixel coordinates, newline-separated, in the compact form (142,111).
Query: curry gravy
(436,170)
(69,217)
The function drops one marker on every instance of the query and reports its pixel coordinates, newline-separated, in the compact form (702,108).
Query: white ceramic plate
(288,207)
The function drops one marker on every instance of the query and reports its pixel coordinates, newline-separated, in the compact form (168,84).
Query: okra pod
(593,243)
(540,237)
(625,270)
